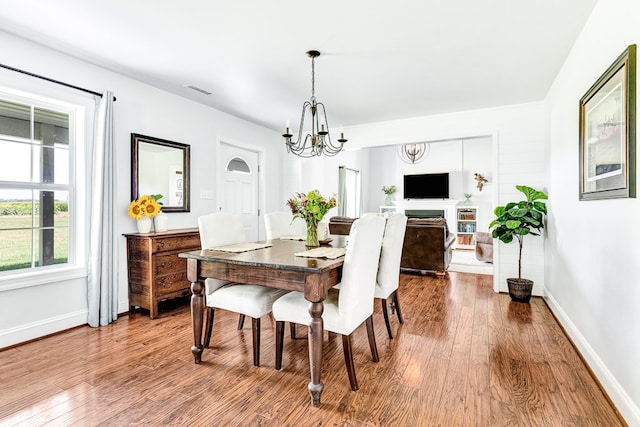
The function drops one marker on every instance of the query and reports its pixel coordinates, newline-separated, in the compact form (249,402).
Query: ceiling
(380,60)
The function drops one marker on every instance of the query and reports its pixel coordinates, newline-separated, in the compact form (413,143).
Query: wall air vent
(197,89)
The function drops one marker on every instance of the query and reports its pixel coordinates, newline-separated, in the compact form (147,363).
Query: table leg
(316,332)
(197,318)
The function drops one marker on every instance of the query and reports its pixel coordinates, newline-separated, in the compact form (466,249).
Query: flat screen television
(427,186)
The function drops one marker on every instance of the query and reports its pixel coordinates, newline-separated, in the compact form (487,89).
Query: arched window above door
(236,164)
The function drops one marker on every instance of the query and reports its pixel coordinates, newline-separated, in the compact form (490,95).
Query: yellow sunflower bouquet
(146,205)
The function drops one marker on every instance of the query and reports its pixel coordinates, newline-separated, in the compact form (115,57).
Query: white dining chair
(350,306)
(278,224)
(220,229)
(389,269)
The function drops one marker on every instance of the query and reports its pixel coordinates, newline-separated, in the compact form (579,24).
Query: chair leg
(385,313)
(372,339)
(292,330)
(348,361)
(209,328)
(241,322)
(255,326)
(279,343)
(396,302)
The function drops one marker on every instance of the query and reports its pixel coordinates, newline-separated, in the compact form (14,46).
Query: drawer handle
(160,245)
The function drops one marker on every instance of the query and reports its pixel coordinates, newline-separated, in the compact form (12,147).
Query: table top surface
(278,256)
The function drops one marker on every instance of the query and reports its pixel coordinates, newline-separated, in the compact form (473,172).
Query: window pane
(61,246)
(16,249)
(14,161)
(15,119)
(51,164)
(16,209)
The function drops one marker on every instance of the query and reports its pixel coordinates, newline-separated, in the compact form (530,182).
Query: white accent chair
(278,224)
(347,308)
(220,229)
(389,268)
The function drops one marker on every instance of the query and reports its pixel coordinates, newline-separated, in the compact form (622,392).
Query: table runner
(242,247)
(328,252)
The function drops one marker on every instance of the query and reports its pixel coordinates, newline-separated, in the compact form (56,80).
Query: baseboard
(41,328)
(625,406)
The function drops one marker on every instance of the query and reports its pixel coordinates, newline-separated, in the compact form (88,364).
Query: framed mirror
(159,166)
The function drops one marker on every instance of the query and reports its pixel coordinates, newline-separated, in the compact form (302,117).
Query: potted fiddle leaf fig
(516,220)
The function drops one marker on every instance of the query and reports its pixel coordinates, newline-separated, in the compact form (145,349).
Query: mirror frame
(136,139)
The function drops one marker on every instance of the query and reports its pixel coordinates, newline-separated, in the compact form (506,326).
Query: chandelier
(318,141)
(413,153)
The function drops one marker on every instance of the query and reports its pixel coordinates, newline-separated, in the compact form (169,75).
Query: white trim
(41,328)
(41,276)
(623,403)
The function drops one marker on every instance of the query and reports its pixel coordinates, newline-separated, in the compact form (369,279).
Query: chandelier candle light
(319,141)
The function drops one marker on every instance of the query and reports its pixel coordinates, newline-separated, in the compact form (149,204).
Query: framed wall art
(608,132)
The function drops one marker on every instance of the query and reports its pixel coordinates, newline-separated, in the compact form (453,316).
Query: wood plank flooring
(464,357)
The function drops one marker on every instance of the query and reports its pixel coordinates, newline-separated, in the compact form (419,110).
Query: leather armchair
(428,246)
(428,243)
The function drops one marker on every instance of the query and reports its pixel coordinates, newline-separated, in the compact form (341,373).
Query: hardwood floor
(464,357)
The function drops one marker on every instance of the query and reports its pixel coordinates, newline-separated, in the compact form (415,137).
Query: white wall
(34,311)
(592,248)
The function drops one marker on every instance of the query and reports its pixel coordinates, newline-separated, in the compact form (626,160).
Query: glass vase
(312,234)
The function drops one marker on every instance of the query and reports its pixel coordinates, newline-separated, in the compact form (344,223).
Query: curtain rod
(53,81)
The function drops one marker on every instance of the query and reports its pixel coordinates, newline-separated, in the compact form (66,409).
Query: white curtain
(103,283)
(342,191)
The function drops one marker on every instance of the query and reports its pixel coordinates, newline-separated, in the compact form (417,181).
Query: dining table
(280,263)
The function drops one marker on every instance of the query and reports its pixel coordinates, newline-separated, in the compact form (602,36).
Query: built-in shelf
(466,226)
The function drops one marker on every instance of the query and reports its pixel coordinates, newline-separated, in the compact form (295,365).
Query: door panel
(240,186)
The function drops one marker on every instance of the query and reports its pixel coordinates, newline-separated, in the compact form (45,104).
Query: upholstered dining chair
(220,229)
(278,224)
(348,307)
(389,268)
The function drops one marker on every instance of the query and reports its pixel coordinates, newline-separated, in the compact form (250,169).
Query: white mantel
(446,205)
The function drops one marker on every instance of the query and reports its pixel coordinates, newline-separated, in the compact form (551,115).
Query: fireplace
(424,213)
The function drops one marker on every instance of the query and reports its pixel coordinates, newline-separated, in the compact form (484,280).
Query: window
(349,192)
(36,187)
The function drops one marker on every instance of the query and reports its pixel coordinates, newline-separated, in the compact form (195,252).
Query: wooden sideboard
(154,270)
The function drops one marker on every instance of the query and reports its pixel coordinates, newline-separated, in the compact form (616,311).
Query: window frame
(76,265)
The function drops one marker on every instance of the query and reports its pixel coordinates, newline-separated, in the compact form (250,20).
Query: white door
(239,192)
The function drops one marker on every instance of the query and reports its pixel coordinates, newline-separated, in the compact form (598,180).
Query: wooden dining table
(276,266)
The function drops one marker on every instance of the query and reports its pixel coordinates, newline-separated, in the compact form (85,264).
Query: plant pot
(520,289)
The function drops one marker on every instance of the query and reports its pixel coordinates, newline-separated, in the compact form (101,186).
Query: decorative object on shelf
(413,153)
(143,209)
(607,132)
(311,207)
(517,219)
(481,181)
(318,142)
(467,198)
(389,192)
(161,222)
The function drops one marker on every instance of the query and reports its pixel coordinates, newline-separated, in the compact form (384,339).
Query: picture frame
(160,166)
(608,132)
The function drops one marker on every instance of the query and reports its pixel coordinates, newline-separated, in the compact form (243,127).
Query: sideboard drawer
(173,244)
